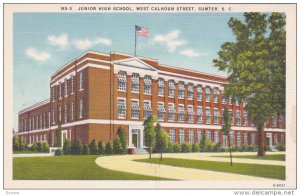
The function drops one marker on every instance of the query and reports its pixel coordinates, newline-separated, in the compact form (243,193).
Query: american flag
(142,31)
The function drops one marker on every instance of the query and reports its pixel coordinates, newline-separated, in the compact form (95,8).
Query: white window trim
(138,102)
(124,99)
(81,81)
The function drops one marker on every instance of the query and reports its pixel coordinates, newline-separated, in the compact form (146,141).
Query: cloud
(61,41)
(84,44)
(191,53)
(171,39)
(36,55)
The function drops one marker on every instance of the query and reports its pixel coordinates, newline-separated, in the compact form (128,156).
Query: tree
(22,143)
(109,148)
(15,143)
(101,147)
(67,147)
(149,133)
(123,139)
(77,147)
(117,146)
(85,149)
(93,147)
(226,129)
(255,64)
(161,139)
(58,136)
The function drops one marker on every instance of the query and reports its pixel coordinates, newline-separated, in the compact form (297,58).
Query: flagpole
(135,40)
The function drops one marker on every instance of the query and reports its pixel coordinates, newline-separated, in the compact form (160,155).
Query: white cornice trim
(35,106)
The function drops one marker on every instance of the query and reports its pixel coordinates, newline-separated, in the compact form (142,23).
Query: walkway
(126,163)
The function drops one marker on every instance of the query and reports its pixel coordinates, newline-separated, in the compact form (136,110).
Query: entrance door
(135,140)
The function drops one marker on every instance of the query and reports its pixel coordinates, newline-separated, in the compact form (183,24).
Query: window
(253,138)
(25,127)
(49,119)
(199,115)
(281,121)
(207,94)
(200,135)
(121,108)
(53,93)
(208,135)
(237,102)
(181,136)
(41,121)
(80,108)
(190,114)
(171,112)
(238,118)
(135,109)
(216,137)
(238,139)
(216,116)
(135,83)
(45,136)
(29,124)
(181,113)
(81,81)
(66,87)
(223,99)
(191,137)
(147,109)
(274,121)
(181,90)
(208,116)
(60,91)
(199,93)
(230,116)
(161,87)
(37,122)
(121,81)
(231,138)
(245,138)
(161,111)
(275,138)
(44,122)
(59,117)
(224,141)
(216,95)
(147,85)
(172,135)
(282,140)
(72,110)
(41,137)
(33,127)
(223,123)
(190,91)
(72,85)
(245,119)
(66,113)
(171,88)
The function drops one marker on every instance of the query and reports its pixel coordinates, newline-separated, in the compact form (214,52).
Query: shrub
(67,148)
(77,147)
(186,147)
(170,148)
(22,143)
(195,147)
(101,147)
(15,143)
(109,148)
(45,147)
(39,147)
(93,147)
(85,149)
(117,146)
(122,136)
(34,147)
(217,147)
(234,148)
(222,150)
(58,152)
(268,148)
(280,147)
(177,148)
(206,146)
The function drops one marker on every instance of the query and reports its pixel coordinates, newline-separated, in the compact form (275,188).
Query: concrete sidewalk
(126,163)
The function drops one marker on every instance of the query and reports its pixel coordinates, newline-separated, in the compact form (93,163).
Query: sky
(44,42)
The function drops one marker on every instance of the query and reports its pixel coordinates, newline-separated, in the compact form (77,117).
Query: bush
(34,147)
(45,147)
(109,148)
(170,148)
(16,143)
(206,146)
(39,147)
(117,146)
(177,148)
(85,149)
(67,148)
(186,147)
(268,148)
(223,150)
(58,152)
(122,136)
(22,143)
(93,147)
(195,147)
(77,147)
(101,147)
(217,147)
(280,147)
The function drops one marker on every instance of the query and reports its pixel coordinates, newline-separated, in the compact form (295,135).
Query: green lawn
(29,152)
(276,157)
(259,170)
(67,168)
